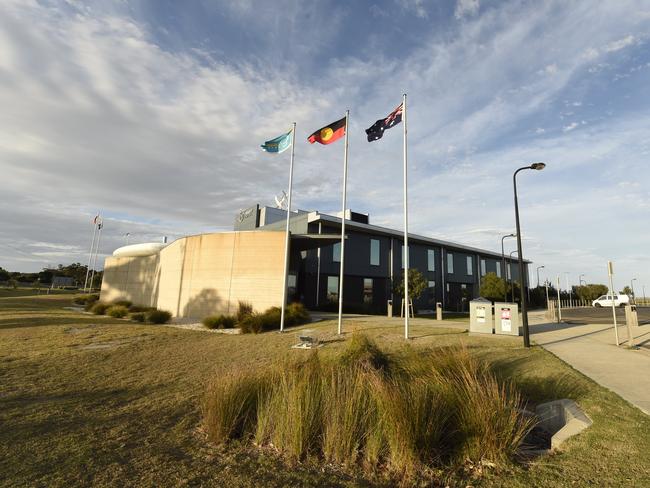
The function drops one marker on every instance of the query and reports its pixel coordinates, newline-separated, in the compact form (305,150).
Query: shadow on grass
(538,389)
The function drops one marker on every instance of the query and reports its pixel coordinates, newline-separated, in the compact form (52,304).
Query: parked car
(606,301)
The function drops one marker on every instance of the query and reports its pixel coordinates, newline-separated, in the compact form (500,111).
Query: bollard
(438,311)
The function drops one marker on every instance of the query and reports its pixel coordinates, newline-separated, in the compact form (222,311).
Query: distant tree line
(76,271)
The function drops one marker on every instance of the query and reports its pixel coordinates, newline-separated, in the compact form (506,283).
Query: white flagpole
(99,236)
(286,239)
(406,227)
(90,255)
(345,180)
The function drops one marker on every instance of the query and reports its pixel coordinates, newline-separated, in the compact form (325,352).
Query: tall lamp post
(503,264)
(524,311)
(632,286)
(512,280)
(538,268)
(580,280)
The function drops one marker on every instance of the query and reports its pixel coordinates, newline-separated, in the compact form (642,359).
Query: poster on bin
(480,315)
(506,324)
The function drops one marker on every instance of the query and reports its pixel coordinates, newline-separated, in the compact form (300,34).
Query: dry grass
(128,414)
(364,405)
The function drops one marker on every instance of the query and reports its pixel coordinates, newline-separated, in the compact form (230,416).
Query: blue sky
(153,111)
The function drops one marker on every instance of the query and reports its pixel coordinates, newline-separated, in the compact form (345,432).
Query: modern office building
(199,275)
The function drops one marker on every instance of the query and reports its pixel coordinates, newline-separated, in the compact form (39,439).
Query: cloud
(466,8)
(619,44)
(570,127)
(99,115)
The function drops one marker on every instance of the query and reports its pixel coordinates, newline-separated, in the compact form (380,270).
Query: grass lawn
(88,400)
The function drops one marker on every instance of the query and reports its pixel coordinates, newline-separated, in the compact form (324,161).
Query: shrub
(158,316)
(244,309)
(296,314)
(123,303)
(99,308)
(117,311)
(252,324)
(86,299)
(261,322)
(140,308)
(219,322)
(137,316)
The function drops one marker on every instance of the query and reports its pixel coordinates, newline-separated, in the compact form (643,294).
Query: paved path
(591,350)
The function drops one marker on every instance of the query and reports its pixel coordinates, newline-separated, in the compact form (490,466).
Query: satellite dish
(281,201)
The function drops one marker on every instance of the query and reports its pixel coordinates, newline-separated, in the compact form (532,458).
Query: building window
(336,252)
(367,291)
(509,271)
(431,260)
(470,261)
(450,263)
(333,288)
(374,252)
(499,269)
(482,267)
(291,287)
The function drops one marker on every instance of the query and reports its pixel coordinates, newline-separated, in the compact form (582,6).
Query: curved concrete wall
(202,275)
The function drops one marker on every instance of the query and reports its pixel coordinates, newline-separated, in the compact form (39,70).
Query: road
(594,315)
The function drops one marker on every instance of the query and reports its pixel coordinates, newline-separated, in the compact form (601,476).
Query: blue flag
(279,144)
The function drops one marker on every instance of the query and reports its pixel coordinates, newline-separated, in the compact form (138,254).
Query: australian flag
(376,131)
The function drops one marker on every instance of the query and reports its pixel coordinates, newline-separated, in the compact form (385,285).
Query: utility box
(438,311)
(506,319)
(631,317)
(480,316)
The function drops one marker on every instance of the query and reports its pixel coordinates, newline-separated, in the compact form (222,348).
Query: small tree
(627,291)
(590,291)
(417,285)
(492,287)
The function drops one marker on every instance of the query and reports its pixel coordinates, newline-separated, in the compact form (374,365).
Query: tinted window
(450,263)
(431,260)
(336,252)
(374,252)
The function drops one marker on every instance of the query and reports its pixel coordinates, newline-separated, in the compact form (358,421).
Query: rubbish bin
(506,318)
(480,316)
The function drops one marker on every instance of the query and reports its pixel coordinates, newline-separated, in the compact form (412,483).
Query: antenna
(281,201)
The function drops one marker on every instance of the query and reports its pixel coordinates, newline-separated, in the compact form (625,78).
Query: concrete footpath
(591,349)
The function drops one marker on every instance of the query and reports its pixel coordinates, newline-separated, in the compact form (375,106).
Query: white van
(606,301)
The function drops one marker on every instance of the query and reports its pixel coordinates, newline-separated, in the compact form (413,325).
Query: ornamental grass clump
(403,414)
(117,311)
(219,322)
(99,308)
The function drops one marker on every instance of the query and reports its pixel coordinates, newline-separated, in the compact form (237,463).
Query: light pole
(644,295)
(632,286)
(512,280)
(524,311)
(538,268)
(580,280)
(503,264)
(126,237)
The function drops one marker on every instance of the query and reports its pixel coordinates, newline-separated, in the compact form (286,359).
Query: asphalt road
(594,315)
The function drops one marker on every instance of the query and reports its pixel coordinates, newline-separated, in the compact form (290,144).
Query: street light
(509,272)
(538,268)
(632,286)
(126,237)
(503,264)
(524,311)
(569,289)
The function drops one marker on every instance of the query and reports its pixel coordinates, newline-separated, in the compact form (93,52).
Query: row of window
(333,289)
(431,259)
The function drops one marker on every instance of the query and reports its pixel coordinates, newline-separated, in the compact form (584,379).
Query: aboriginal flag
(376,131)
(329,133)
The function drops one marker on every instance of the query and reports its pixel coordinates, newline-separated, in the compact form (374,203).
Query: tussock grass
(402,413)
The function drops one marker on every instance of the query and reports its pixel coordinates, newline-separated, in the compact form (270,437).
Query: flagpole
(406,227)
(99,236)
(90,255)
(286,238)
(345,179)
